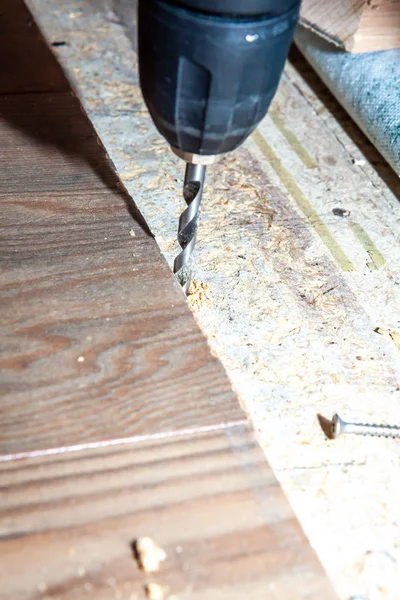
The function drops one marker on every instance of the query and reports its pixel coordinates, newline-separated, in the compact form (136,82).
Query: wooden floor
(115,419)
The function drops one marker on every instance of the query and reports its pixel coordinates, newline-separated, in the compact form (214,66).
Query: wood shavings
(199,294)
(154,591)
(148,554)
(393,335)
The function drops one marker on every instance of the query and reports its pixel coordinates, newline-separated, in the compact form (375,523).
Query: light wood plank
(356,25)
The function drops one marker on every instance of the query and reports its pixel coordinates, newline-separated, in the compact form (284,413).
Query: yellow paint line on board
(305,205)
(292,140)
(377,259)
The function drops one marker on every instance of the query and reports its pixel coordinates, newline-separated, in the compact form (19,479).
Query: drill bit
(187,229)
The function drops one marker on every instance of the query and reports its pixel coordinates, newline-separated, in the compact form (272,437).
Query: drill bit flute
(188,223)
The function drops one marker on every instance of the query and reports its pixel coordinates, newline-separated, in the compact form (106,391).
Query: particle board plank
(209,500)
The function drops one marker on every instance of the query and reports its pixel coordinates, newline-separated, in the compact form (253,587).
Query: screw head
(337,426)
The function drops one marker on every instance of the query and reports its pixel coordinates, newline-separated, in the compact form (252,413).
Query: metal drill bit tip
(338,427)
(188,222)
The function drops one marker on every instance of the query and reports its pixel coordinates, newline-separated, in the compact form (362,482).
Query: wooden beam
(355,25)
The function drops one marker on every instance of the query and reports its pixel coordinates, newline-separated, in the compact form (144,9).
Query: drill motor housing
(210,68)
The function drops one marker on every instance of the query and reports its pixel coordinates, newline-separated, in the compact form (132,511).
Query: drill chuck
(210,68)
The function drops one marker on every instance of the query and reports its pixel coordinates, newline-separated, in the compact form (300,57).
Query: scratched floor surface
(299,247)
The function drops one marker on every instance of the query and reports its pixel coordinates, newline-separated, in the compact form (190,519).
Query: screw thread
(376,430)
(338,427)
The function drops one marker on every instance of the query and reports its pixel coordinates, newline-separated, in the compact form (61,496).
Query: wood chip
(393,335)
(149,554)
(154,591)
(199,294)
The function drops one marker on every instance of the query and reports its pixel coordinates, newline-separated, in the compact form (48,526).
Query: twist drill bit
(187,229)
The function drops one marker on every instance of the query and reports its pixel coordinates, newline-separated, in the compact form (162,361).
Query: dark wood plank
(97,340)
(209,500)
(19,72)
(15,17)
(27,64)
(48,145)
(77,284)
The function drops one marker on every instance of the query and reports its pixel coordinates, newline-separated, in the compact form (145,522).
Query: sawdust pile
(199,295)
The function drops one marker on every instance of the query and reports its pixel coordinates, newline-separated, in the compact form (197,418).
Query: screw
(338,427)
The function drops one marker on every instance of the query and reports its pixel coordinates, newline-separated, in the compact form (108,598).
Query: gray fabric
(367,85)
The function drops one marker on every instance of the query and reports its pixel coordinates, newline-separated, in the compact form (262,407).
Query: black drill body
(208,72)
(210,68)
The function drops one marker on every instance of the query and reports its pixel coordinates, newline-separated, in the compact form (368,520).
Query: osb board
(296,291)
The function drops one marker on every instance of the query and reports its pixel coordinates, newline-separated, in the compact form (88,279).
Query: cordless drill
(208,72)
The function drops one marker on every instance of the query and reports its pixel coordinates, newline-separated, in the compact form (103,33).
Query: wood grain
(76,284)
(115,419)
(209,500)
(356,25)
(379,27)
(97,340)
(337,19)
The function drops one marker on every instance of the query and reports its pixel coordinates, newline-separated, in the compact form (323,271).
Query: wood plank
(337,19)
(27,64)
(20,62)
(209,500)
(379,27)
(356,25)
(15,17)
(98,342)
